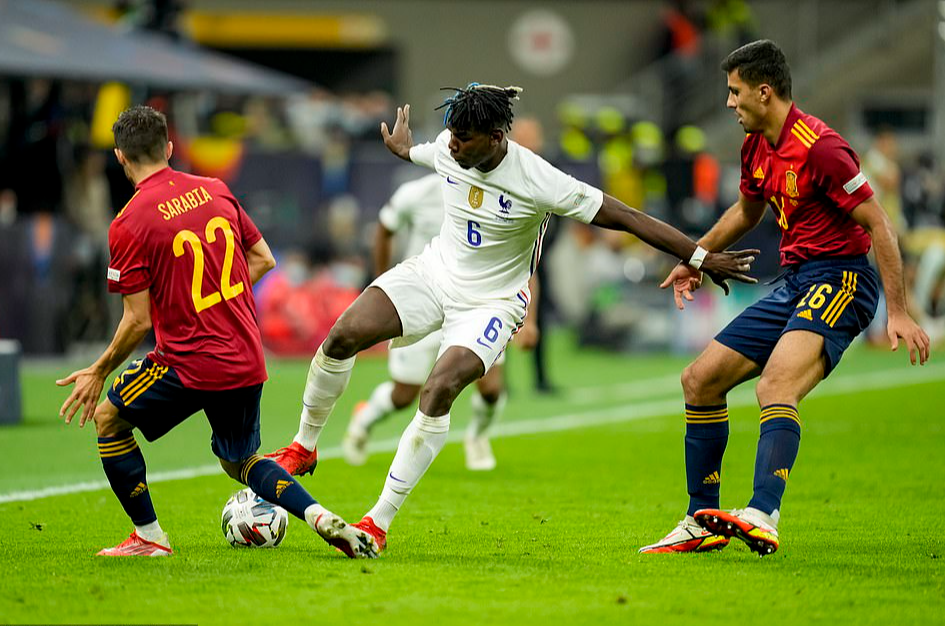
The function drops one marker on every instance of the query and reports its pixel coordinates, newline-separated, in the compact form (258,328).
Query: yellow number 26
(201,301)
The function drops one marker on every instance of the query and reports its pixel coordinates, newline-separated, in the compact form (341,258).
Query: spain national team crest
(475,197)
(790,184)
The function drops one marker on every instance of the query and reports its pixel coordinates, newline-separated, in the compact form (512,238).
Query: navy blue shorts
(835,298)
(152,399)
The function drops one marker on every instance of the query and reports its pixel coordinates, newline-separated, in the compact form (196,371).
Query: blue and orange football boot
(688,536)
(754,527)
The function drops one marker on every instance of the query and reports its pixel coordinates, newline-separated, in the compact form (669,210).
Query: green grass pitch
(549,537)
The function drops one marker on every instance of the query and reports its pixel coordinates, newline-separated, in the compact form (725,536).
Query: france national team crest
(475,197)
(505,206)
(790,183)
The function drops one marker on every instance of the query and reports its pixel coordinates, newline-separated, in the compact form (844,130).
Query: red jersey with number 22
(185,238)
(812,180)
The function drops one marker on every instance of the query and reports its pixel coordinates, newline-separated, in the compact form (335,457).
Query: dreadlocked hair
(479,107)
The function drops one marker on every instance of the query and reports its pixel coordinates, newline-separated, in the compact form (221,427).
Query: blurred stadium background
(283,101)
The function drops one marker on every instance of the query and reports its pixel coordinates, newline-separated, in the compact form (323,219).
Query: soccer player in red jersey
(794,337)
(184,256)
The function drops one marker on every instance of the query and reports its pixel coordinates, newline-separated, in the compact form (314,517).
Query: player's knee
(772,390)
(339,344)
(692,382)
(107,422)
(232,469)
(490,390)
(441,390)
(404,395)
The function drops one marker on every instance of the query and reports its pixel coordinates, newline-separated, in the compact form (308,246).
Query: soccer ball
(251,522)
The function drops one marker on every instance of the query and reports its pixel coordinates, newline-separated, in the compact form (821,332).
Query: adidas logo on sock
(712,479)
(281,485)
(141,488)
(782,474)
(806,314)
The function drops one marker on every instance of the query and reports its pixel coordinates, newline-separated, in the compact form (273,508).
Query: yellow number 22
(201,301)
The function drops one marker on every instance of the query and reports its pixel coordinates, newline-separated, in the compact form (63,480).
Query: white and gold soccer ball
(251,522)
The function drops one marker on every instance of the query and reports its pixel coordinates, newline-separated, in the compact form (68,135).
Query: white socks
(422,440)
(312,512)
(378,406)
(483,413)
(327,379)
(152,532)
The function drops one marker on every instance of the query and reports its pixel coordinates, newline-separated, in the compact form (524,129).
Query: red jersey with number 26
(185,238)
(812,180)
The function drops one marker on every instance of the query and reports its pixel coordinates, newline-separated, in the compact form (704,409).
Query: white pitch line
(841,385)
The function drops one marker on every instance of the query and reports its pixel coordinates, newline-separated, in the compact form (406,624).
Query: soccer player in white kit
(416,208)
(471,281)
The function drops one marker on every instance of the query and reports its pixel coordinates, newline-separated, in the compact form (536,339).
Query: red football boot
(295,459)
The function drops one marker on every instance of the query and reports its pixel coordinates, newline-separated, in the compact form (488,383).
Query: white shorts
(483,327)
(412,364)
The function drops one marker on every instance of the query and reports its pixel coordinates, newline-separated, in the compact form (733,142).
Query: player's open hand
(400,140)
(721,266)
(916,339)
(88,387)
(685,280)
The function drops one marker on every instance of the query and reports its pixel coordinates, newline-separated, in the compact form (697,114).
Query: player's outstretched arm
(400,140)
(720,266)
(737,220)
(134,325)
(871,216)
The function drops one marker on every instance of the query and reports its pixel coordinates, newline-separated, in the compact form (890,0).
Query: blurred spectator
(678,54)
(298,306)
(881,166)
(732,23)
(529,132)
(88,208)
(924,203)
(159,16)
(692,182)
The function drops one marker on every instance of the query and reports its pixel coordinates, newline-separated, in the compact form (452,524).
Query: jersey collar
(792,117)
(156,178)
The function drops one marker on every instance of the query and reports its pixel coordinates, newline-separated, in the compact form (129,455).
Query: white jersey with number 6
(494,222)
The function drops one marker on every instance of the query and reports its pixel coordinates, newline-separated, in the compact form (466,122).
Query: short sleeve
(750,185)
(128,268)
(249,233)
(425,153)
(835,169)
(395,215)
(562,194)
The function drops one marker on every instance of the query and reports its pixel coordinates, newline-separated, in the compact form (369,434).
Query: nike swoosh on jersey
(451,181)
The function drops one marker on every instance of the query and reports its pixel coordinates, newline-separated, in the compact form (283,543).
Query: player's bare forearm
(720,266)
(260,260)
(132,329)
(737,220)
(871,216)
(134,325)
(383,243)
(615,215)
